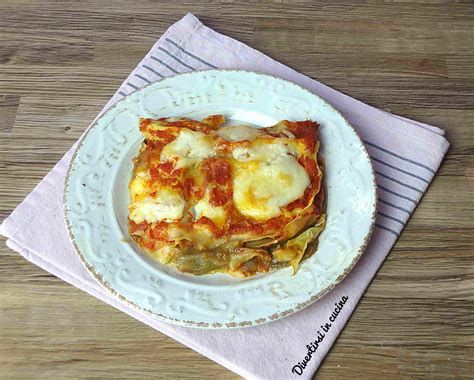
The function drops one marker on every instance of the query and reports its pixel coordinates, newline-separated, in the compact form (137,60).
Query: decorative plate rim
(205,325)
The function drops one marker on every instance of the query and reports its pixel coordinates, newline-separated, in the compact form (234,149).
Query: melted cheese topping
(139,184)
(214,213)
(262,187)
(239,133)
(267,149)
(165,205)
(188,148)
(267,177)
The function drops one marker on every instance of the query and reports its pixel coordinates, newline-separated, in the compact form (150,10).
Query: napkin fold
(406,155)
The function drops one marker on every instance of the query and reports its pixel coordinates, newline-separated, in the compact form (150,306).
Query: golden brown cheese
(209,198)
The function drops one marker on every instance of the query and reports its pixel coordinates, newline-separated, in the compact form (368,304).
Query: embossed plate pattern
(96,198)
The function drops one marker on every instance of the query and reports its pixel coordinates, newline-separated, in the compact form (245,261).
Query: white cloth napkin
(406,156)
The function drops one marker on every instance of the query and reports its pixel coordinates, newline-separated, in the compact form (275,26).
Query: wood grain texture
(61,61)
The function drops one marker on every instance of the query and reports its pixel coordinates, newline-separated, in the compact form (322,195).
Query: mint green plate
(96,198)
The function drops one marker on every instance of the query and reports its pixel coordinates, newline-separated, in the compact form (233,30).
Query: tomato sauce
(166,174)
(159,231)
(164,136)
(134,227)
(191,191)
(189,124)
(306,130)
(144,123)
(205,221)
(220,196)
(217,170)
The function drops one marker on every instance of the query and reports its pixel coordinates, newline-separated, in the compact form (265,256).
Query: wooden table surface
(61,62)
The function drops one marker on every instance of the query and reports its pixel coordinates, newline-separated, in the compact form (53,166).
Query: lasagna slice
(210,198)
